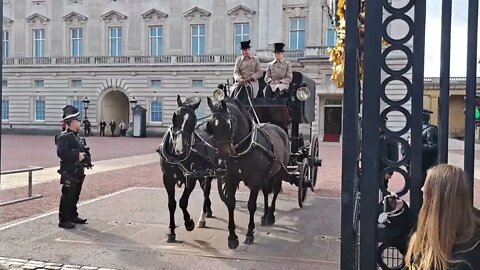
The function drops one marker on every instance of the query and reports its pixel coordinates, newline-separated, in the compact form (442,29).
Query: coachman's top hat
(245,45)
(278,47)
(70,113)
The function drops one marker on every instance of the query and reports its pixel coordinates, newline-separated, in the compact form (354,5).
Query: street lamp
(133,102)
(85,106)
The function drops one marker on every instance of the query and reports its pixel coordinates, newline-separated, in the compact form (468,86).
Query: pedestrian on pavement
(430,144)
(389,152)
(73,156)
(87,125)
(123,129)
(113,126)
(103,124)
(448,228)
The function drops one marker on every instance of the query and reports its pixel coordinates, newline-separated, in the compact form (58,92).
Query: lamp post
(85,106)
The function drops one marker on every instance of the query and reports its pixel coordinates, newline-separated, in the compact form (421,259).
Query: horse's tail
(268,186)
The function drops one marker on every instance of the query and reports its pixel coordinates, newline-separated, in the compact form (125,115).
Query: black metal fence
(362,146)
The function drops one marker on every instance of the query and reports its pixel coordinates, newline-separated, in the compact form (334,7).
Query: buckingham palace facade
(57,52)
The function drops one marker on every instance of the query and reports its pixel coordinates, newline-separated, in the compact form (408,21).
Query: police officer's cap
(245,45)
(70,113)
(427,111)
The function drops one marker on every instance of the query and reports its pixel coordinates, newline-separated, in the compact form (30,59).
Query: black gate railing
(362,147)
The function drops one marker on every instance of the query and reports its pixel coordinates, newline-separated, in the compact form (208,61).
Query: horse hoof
(171,238)
(233,244)
(202,224)
(263,221)
(270,220)
(209,214)
(248,240)
(189,225)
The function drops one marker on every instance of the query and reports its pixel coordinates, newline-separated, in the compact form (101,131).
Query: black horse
(256,155)
(185,157)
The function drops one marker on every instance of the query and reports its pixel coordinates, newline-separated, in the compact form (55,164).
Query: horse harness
(185,164)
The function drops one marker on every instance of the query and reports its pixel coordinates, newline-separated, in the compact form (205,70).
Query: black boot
(79,220)
(66,225)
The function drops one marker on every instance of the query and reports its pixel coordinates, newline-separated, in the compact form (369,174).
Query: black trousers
(102,132)
(69,199)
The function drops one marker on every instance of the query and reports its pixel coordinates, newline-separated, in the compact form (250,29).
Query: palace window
(77,42)
(6,44)
(297,33)
(156,114)
(78,103)
(198,39)
(242,33)
(116,41)
(5,109)
(156,40)
(39,110)
(39,43)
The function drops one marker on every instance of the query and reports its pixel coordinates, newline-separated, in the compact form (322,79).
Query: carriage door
(333,119)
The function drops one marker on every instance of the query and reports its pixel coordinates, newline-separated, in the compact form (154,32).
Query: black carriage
(294,111)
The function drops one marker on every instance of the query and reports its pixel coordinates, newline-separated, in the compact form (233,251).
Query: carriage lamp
(303,93)
(218,94)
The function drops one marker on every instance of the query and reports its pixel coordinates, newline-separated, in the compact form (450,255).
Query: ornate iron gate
(368,75)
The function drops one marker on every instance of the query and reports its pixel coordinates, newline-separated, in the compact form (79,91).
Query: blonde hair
(447,217)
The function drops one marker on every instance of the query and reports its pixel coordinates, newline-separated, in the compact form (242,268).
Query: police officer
(430,144)
(390,152)
(246,73)
(71,151)
(279,73)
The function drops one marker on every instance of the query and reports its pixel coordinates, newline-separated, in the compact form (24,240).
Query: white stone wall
(268,19)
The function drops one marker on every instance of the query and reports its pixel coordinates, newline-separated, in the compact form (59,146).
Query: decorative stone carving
(7,21)
(296,10)
(112,14)
(72,16)
(153,14)
(240,11)
(196,12)
(35,17)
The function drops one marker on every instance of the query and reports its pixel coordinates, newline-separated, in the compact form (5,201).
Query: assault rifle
(87,161)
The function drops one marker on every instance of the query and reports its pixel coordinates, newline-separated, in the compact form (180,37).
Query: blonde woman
(447,235)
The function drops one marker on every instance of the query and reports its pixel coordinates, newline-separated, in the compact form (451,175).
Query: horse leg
(276,189)
(263,219)
(206,210)
(189,223)
(252,207)
(208,204)
(172,205)
(230,202)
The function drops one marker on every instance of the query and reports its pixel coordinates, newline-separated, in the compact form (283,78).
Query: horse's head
(222,127)
(184,121)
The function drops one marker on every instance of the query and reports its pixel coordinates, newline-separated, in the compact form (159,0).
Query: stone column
(275,22)
(176,29)
(263,26)
(19,26)
(217,27)
(94,29)
(316,23)
(55,28)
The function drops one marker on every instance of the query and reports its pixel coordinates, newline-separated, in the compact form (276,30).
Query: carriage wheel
(315,157)
(222,189)
(302,186)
